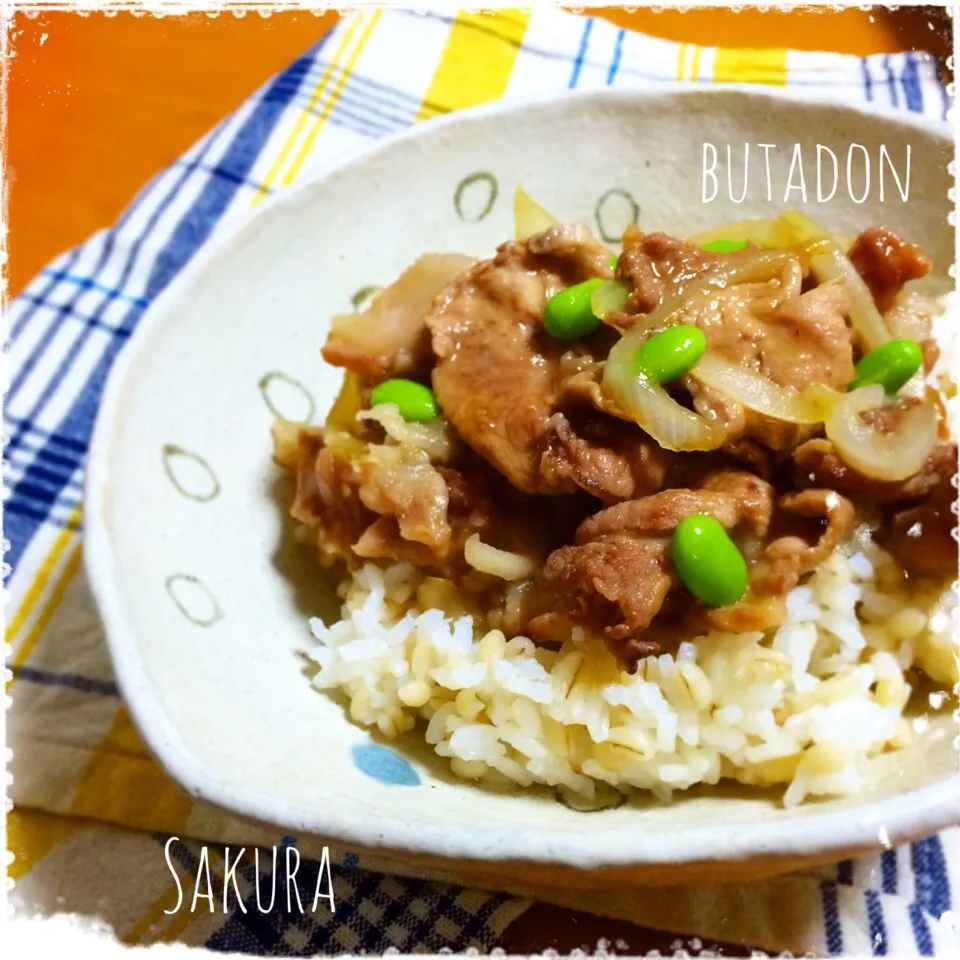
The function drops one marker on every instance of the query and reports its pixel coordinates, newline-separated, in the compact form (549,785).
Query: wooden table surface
(97,104)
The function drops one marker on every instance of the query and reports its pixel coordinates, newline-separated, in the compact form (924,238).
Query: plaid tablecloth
(94,812)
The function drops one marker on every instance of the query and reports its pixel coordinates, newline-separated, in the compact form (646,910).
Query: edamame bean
(724,246)
(709,564)
(567,315)
(414,401)
(891,365)
(672,352)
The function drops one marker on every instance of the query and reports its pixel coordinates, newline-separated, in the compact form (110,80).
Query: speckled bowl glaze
(204,598)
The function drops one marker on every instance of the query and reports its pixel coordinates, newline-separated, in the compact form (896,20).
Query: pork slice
(575,244)
(729,496)
(802,340)
(658,266)
(344,485)
(605,457)
(658,515)
(617,573)
(818,464)
(404,485)
(755,498)
(620,583)
(887,262)
(808,339)
(382,540)
(780,566)
(788,558)
(496,372)
(326,495)
(389,338)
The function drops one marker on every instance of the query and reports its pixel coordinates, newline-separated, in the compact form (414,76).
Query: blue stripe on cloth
(40,298)
(617,53)
(911,84)
(190,233)
(405,915)
(40,494)
(831,919)
(845,873)
(581,53)
(68,443)
(921,932)
(89,284)
(878,928)
(19,519)
(867,79)
(50,470)
(891,81)
(930,876)
(944,94)
(46,678)
(888,871)
(65,310)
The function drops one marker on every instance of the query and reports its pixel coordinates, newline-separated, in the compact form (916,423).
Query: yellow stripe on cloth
(331,101)
(476,62)
(124,785)
(31,835)
(750,66)
(682,72)
(63,540)
(695,63)
(302,120)
(56,595)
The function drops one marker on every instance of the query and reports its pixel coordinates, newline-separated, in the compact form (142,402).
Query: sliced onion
(828,262)
(609,297)
(882,456)
(498,563)
(528,216)
(757,392)
(671,425)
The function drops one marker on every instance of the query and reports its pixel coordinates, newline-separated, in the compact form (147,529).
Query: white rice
(804,705)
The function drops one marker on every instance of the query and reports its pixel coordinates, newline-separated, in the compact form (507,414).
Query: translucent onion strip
(610,297)
(884,456)
(828,262)
(528,216)
(757,392)
(671,425)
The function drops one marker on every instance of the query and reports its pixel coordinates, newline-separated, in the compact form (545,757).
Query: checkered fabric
(94,811)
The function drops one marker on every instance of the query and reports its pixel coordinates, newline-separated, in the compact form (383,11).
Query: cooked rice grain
(803,705)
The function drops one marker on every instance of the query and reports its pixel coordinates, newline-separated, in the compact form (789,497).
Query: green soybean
(671,353)
(891,365)
(414,401)
(708,562)
(568,316)
(724,246)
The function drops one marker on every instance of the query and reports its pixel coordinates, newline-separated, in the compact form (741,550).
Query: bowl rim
(874,823)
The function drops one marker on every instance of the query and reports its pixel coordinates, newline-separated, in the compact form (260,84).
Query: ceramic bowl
(204,598)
